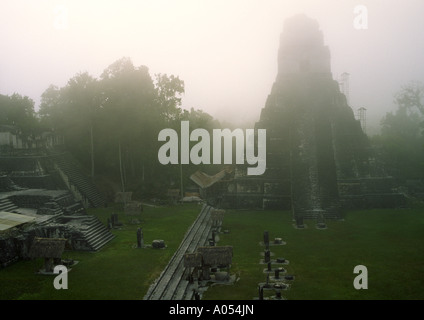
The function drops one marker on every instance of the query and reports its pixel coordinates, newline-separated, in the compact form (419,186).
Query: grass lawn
(390,243)
(118,270)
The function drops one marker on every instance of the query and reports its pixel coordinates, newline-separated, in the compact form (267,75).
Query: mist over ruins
(319,164)
(319,160)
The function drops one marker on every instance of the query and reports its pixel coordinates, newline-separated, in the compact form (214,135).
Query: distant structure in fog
(317,153)
(344,85)
(362,117)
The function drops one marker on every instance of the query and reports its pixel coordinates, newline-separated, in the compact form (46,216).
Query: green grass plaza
(388,242)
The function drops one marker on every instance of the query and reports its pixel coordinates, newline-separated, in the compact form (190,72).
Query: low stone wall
(374,201)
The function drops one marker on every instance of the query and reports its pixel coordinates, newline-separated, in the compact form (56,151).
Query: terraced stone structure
(50,186)
(318,157)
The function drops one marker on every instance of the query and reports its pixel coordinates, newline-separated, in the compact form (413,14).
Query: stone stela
(274,279)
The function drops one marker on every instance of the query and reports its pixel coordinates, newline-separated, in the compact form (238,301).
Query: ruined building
(319,160)
(44,192)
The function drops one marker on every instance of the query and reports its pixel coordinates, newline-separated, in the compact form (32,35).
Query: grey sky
(224,50)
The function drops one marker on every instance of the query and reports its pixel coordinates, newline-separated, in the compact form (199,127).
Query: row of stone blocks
(172,283)
(276,277)
(199,235)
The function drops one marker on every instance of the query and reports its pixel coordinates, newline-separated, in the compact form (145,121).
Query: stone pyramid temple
(319,160)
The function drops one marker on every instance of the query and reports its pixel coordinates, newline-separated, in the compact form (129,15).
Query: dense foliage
(16,110)
(111,124)
(402,134)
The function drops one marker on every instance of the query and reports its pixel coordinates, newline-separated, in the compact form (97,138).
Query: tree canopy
(17,110)
(402,134)
(111,124)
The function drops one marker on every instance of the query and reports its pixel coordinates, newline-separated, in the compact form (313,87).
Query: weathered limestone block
(158,244)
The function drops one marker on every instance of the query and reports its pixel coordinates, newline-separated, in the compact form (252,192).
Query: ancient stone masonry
(196,263)
(53,171)
(314,143)
(50,249)
(51,187)
(276,275)
(300,114)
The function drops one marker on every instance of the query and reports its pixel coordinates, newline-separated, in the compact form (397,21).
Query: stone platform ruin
(50,188)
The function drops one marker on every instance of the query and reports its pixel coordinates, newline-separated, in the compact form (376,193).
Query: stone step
(95,233)
(93,227)
(95,237)
(80,180)
(181,290)
(7,205)
(101,242)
